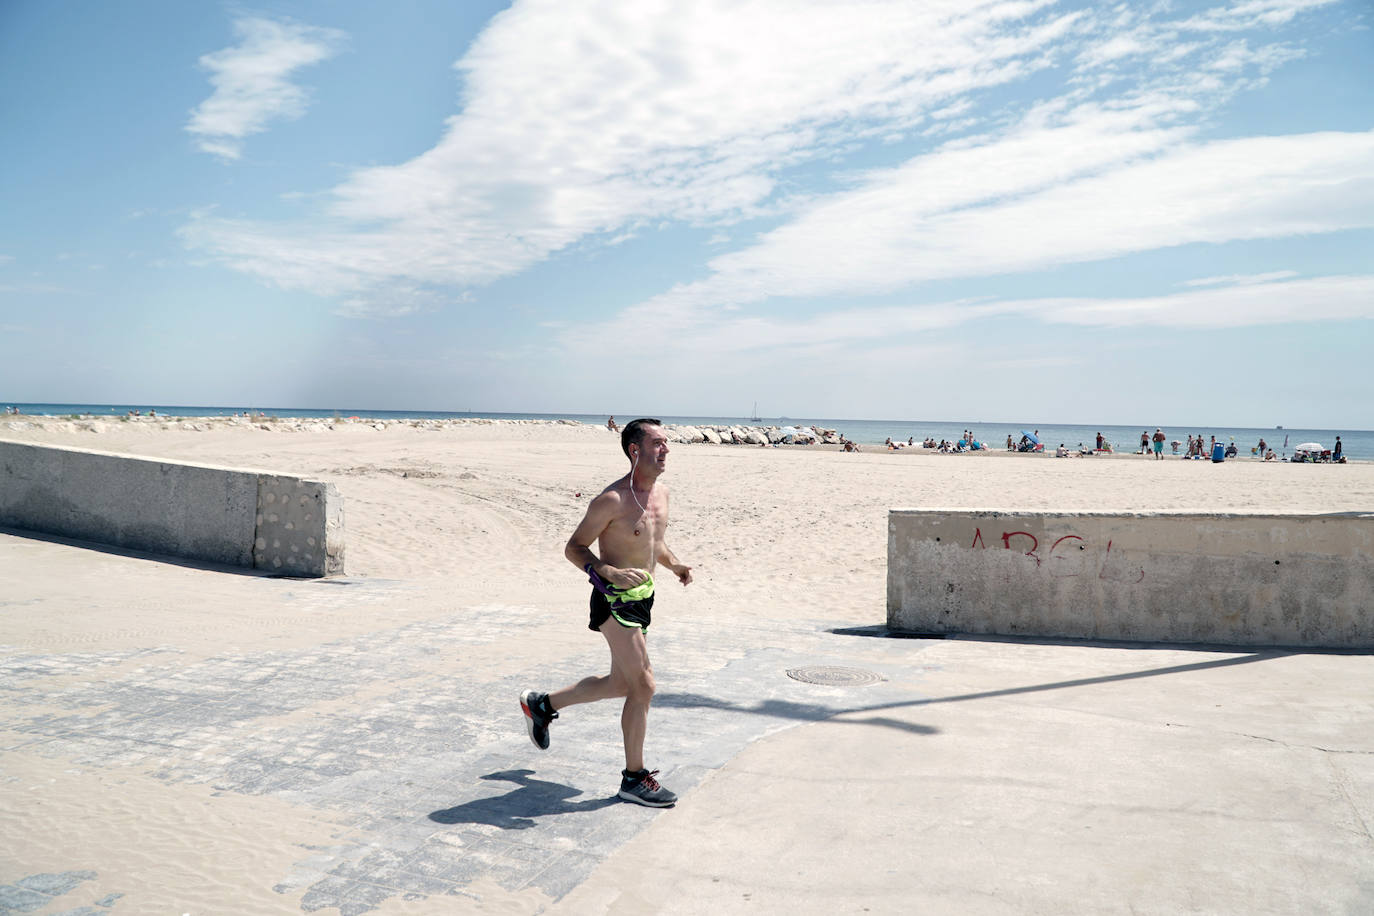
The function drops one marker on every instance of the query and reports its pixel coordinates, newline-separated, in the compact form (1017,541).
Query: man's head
(634,432)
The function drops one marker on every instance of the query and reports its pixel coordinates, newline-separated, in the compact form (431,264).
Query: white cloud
(850,340)
(1039,199)
(591,123)
(1250,13)
(1316,299)
(585,120)
(1242,279)
(252,81)
(35,289)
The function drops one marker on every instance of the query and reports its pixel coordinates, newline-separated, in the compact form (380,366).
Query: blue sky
(1021,211)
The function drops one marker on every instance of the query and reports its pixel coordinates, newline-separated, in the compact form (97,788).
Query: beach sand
(482,504)
(455,576)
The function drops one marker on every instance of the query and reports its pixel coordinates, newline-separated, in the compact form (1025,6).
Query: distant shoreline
(97,423)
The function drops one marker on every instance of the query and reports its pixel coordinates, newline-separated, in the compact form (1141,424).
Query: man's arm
(578,550)
(666,558)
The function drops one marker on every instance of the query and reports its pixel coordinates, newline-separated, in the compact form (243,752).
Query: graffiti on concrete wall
(1068,556)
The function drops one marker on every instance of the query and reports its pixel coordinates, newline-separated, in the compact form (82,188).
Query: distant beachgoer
(1010,445)
(1099,441)
(611,425)
(1158,440)
(1269,455)
(1144,442)
(1262,448)
(630,536)
(1338,451)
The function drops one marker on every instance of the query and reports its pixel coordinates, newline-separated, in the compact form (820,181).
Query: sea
(1358,443)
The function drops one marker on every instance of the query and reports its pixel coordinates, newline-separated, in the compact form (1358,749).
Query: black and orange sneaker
(642,789)
(538,715)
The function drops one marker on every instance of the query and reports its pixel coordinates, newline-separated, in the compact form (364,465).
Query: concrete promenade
(363,752)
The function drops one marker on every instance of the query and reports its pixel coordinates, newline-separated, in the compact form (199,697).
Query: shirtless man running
(627,522)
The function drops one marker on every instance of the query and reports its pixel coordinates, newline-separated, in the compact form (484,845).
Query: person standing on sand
(1144,442)
(1158,440)
(627,521)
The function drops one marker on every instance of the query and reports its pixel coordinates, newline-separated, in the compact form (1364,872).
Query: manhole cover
(834,676)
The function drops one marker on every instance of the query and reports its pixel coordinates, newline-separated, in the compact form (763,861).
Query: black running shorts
(633,614)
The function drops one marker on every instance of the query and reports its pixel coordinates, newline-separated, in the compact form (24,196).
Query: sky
(1145,213)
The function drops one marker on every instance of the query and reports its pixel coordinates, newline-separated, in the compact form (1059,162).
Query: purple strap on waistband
(599,583)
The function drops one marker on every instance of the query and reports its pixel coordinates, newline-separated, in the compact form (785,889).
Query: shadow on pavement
(517,809)
(778,709)
(812,712)
(880,631)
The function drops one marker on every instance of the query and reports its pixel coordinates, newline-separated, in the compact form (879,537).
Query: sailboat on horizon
(754,417)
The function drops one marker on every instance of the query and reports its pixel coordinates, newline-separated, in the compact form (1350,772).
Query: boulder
(711,435)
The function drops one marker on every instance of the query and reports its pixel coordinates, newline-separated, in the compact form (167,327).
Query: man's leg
(589,690)
(542,708)
(630,667)
(633,678)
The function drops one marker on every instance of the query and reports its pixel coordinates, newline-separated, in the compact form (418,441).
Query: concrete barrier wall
(1296,580)
(221,515)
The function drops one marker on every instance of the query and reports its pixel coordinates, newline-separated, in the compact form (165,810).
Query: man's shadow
(516,809)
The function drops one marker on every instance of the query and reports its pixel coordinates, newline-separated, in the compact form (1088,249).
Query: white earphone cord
(633,465)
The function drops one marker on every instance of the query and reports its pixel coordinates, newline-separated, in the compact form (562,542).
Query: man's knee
(641,684)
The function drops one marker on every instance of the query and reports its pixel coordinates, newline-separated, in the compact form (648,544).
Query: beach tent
(1310,451)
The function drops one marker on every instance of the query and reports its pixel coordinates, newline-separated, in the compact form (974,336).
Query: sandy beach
(454,574)
(483,503)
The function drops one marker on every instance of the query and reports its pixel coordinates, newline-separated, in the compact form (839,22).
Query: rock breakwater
(96,425)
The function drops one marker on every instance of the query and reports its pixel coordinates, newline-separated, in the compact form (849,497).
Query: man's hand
(683,573)
(623,578)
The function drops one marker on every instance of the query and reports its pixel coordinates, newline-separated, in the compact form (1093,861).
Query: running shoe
(538,715)
(642,789)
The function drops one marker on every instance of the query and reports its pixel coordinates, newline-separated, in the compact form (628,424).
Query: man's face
(653,449)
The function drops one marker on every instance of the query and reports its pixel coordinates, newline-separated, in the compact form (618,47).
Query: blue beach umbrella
(1035,440)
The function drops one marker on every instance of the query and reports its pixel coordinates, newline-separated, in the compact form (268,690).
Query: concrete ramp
(244,518)
(1258,580)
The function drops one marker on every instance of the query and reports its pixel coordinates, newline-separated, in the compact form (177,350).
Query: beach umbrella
(1035,440)
(1309,447)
